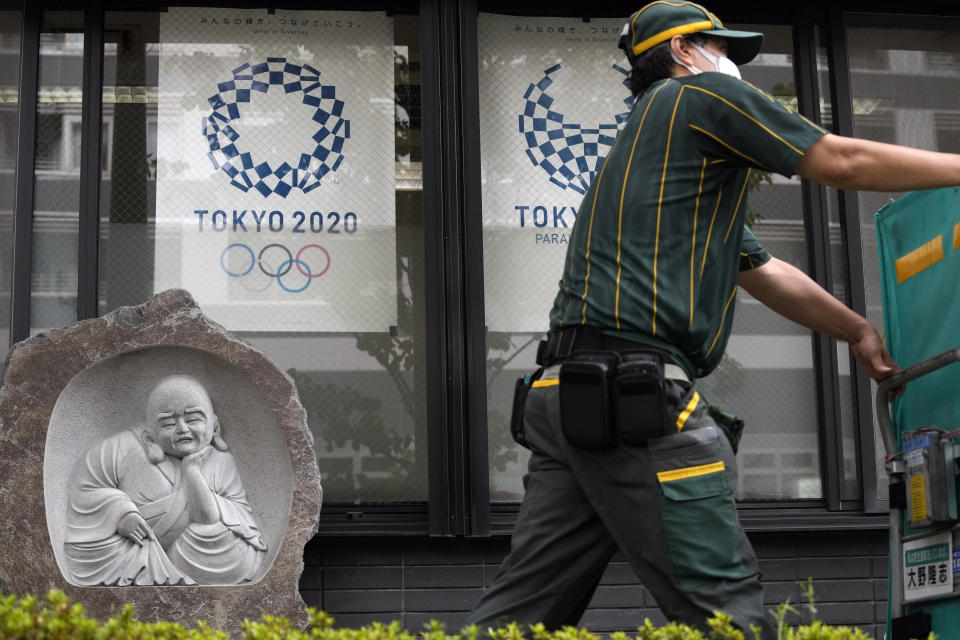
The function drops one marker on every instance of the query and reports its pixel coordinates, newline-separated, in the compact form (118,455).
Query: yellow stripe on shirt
(693,241)
(748,116)
(713,218)
(586,279)
(623,195)
(663,182)
(723,321)
(733,217)
(727,145)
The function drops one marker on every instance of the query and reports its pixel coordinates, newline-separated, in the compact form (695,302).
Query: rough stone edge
(173,319)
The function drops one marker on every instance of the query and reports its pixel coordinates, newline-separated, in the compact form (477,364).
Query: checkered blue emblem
(568,152)
(305,172)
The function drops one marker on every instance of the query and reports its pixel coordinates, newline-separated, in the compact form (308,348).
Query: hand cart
(918,245)
(933,607)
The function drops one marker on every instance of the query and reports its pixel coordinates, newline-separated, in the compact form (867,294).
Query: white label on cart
(956,561)
(928,565)
(915,458)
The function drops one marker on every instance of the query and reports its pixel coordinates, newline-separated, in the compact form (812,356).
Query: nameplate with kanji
(928,567)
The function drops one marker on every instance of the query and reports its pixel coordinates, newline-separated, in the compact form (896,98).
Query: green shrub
(57,618)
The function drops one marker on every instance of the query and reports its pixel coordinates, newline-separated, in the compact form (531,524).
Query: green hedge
(57,618)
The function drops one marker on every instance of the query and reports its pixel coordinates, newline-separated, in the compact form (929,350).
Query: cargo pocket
(701,525)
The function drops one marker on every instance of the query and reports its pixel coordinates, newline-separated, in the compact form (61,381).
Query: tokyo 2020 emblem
(222,131)
(568,152)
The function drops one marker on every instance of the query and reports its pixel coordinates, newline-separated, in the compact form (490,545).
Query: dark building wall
(414,580)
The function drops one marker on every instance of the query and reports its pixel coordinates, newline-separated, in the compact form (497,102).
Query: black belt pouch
(520,390)
(639,401)
(585,413)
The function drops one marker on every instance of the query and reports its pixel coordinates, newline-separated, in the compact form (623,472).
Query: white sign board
(275,167)
(928,567)
(552,99)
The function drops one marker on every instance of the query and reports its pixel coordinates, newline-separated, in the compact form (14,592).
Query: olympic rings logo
(265,260)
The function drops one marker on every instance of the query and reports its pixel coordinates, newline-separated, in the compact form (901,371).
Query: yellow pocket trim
(956,236)
(690,472)
(919,259)
(550,382)
(682,418)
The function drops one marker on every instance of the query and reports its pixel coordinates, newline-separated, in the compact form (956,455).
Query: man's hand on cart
(867,347)
(793,294)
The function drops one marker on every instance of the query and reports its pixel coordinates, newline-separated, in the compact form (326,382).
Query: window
(71,144)
(331,289)
(53,297)
(9,102)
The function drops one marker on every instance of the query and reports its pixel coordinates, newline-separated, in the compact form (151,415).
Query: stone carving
(163,503)
(73,412)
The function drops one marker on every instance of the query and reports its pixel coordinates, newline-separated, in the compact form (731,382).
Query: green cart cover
(919,246)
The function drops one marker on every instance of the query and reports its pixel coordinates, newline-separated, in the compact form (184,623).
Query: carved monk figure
(164,504)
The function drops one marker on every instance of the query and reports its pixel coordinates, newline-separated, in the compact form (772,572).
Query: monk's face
(182,417)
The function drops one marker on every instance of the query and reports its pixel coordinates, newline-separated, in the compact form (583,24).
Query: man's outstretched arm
(855,163)
(791,293)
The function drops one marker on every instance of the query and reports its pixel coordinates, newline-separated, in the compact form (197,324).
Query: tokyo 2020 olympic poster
(553,95)
(275,167)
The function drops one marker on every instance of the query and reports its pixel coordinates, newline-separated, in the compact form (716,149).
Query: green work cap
(659,21)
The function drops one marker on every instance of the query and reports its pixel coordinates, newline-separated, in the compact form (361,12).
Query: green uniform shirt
(659,239)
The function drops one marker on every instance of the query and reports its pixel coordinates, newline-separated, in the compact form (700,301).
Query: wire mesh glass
(269,162)
(9,102)
(56,190)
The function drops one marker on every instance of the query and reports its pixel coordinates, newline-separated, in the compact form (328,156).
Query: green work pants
(668,506)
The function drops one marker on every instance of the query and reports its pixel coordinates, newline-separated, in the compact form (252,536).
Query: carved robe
(114,478)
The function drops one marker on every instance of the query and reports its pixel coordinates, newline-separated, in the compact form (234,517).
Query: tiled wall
(414,580)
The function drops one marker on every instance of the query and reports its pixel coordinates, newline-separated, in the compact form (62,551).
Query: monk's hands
(134,527)
(197,459)
(201,503)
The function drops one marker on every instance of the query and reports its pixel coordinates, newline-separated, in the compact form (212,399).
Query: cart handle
(893,382)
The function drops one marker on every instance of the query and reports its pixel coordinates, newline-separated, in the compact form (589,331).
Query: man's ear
(682,50)
(154,453)
(217,441)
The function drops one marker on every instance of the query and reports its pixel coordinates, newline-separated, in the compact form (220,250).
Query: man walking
(624,454)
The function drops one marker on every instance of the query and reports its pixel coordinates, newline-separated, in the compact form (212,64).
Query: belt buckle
(543,352)
(557,346)
(566,342)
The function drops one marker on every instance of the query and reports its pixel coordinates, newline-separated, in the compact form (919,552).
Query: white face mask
(722,64)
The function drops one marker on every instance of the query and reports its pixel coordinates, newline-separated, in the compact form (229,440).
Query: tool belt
(561,343)
(611,389)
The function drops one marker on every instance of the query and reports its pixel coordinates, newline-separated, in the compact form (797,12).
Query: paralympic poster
(554,92)
(275,167)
